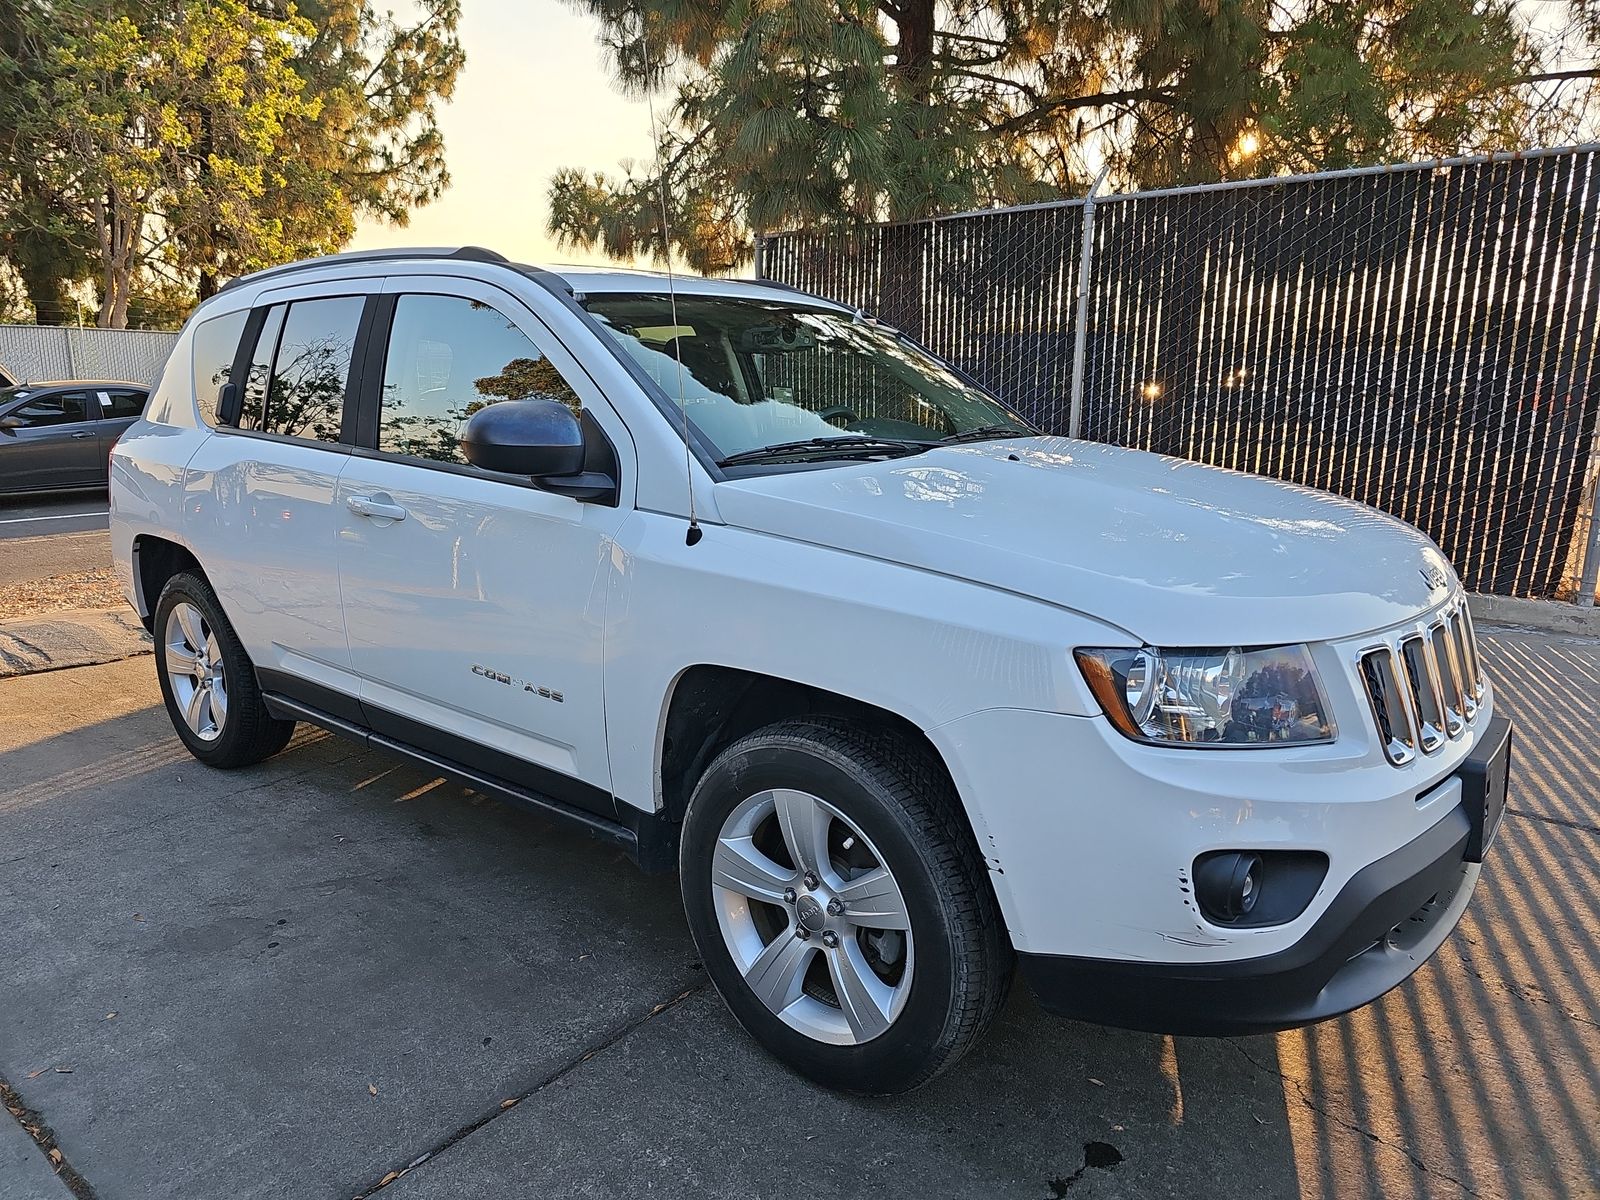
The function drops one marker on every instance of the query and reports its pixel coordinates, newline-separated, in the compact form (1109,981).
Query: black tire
(247,733)
(899,797)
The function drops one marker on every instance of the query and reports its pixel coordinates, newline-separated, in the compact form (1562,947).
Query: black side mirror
(542,439)
(228,404)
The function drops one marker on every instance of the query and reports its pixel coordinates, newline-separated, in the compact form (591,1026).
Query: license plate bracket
(1484,776)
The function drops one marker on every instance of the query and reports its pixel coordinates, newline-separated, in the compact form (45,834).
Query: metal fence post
(1591,554)
(1080,335)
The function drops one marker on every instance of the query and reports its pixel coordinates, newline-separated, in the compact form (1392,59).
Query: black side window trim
(372,351)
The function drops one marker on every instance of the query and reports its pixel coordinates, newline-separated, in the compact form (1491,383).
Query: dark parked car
(55,436)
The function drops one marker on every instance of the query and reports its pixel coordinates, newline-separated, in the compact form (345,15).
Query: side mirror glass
(11,424)
(537,438)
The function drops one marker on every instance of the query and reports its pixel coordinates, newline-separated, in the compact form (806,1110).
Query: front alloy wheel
(813,919)
(840,905)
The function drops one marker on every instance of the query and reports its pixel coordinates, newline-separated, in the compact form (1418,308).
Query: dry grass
(95,588)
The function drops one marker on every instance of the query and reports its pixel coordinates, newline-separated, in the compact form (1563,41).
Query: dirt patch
(94,588)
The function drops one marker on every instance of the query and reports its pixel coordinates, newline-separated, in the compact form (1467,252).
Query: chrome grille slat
(1470,638)
(1455,708)
(1388,699)
(1424,683)
(1422,672)
(1465,655)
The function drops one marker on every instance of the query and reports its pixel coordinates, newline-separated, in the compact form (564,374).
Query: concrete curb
(82,637)
(1548,616)
(27,1173)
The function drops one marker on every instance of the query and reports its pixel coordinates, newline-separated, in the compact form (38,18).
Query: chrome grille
(1424,684)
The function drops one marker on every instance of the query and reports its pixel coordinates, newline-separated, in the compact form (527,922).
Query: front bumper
(1383,924)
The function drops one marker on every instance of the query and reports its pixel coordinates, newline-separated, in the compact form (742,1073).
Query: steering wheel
(838,411)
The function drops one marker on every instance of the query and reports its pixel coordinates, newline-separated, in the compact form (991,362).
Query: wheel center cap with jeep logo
(811,913)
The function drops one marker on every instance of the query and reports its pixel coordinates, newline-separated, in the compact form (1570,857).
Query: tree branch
(1022,121)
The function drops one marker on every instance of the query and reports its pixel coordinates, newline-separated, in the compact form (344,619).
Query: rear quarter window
(216,343)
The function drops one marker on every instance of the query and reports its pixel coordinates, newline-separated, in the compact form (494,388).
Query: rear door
(119,407)
(260,514)
(50,442)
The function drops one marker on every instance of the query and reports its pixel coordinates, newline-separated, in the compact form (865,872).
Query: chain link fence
(1422,338)
(34,353)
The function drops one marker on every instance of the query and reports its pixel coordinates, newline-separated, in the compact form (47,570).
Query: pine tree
(783,113)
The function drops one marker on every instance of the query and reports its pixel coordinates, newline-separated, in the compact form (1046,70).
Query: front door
(48,441)
(475,603)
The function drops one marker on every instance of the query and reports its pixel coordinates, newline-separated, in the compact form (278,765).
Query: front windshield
(758,373)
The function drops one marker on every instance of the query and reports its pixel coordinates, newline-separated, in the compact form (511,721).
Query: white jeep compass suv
(752,586)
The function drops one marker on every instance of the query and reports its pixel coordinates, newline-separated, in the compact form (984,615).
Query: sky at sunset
(535,95)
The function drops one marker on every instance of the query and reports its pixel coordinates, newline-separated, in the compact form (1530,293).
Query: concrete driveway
(300,979)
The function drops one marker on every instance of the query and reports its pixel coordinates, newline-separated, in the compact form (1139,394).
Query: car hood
(1174,552)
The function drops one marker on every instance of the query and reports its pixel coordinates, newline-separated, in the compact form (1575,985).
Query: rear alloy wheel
(207,679)
(195,672)
(839,905)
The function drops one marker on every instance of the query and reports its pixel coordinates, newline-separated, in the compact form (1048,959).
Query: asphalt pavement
(52,535)
(42,516)
(331,970)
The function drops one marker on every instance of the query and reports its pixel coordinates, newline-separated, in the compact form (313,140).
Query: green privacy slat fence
(1420,338)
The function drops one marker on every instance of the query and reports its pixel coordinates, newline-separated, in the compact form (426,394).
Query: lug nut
(812,880)
(801,932)
(835,907)
(830,939)
(788,895)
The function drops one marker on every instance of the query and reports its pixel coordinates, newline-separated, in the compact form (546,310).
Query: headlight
(1226,698)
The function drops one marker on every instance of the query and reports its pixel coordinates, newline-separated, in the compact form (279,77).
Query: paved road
(49,516)
(52,536)
(296,979)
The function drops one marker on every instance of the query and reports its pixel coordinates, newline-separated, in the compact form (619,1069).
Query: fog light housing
(1226,885)
(1253,888)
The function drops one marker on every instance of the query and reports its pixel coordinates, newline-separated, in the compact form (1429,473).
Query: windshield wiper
(985,432)
(825,447)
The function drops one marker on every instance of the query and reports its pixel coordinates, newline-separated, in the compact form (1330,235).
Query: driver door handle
(379,504)
(80,434)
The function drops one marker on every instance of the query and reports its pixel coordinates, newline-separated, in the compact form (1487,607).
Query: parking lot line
(102,512)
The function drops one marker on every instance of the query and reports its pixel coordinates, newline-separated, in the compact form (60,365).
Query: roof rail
(463,253)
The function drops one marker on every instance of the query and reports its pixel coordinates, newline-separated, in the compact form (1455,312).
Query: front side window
(54,408)
(757,374)
(448,357)
(310,370)
(216,342)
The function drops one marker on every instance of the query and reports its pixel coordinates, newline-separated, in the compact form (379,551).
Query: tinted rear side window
(121,403)
(215,343)
(311,369)
(259,373)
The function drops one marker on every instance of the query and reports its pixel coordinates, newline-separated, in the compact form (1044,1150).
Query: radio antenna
(693,534)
